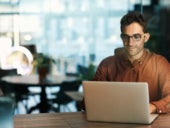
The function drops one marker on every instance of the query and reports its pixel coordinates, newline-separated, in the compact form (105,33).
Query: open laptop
(123,102)
(6,112)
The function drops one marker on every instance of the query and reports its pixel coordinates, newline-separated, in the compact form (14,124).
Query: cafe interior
(48,47)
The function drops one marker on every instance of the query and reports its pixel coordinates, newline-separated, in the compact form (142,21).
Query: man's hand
(152,108)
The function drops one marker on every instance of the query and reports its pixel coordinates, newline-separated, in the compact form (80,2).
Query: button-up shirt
(151,68)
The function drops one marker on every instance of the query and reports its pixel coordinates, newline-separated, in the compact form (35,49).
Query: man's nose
(130,42)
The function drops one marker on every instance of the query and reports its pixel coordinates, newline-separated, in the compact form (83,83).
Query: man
(135,63)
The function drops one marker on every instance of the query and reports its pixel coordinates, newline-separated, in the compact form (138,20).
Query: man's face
(133,39)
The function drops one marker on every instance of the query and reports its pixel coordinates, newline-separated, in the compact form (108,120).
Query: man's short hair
(133,17)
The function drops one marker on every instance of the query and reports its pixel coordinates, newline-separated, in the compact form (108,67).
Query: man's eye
(137,36)
(126,37)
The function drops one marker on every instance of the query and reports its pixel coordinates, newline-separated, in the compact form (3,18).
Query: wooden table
(33,80)
(78,120)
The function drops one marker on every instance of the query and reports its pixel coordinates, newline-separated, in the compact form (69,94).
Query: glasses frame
(127,39)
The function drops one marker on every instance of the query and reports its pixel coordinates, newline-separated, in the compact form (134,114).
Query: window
(72,30)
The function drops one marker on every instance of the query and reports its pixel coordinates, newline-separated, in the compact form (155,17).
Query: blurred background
(76,34)
(78,31)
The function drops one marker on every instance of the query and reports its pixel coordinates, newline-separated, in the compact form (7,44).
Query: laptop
(122,102)
(6,112)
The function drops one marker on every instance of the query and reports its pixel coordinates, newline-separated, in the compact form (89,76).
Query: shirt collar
(123,56)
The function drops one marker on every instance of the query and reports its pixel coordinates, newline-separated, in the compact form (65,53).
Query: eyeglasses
(135,37)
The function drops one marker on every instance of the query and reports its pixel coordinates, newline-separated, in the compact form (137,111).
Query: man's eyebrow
(130,35)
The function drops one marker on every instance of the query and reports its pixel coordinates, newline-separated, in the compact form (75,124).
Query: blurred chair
(19,58)
(19,93)
(9,90)
(62,99)
(77,97)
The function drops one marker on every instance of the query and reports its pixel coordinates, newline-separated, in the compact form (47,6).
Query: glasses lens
(136,37)
(125,37)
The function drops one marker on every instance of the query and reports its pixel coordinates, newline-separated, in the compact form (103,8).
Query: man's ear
(146,37)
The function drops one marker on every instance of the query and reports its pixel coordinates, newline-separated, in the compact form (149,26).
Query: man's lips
(131,48)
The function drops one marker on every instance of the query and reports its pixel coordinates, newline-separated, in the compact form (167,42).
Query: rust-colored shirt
(151,68)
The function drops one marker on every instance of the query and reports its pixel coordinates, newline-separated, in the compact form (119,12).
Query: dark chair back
(6,72)
(62,98)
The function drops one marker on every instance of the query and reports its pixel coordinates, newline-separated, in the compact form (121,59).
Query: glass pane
(68,29)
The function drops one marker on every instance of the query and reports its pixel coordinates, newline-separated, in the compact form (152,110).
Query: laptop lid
(6,112)
(125,102)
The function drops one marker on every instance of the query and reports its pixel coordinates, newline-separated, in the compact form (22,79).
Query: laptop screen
(126,102)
